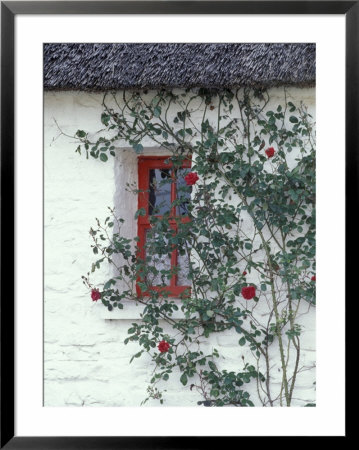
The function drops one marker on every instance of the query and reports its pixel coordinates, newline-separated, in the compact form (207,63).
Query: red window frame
(145,164)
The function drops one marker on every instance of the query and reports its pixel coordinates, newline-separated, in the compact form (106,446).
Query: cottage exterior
(86,361)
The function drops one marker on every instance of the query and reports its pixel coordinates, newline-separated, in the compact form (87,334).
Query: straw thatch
(103,67)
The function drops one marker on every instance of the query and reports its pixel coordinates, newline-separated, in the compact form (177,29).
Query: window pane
(160,191)
(183,192)
(183,270)
(159,261)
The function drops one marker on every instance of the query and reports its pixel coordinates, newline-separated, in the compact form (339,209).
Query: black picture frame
(8,12)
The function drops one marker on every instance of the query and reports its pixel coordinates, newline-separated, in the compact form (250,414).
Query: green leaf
(215,392)
(293,119)
(292,107)
(140,212)
(103,157)
(137,355)
(184,379)
(242,341)
(138,148)
(80,133)
(157,111)
(212,366)
(105,118)
(108,284)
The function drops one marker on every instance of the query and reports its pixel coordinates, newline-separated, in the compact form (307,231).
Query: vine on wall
(250,239)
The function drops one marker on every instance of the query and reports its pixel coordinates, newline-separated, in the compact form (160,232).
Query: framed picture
(160,251)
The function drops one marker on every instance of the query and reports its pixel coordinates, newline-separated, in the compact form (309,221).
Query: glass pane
(183,270)
(160,192)
(159,261)
(183,192)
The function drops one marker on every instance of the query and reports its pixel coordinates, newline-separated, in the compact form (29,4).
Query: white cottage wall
(85,360)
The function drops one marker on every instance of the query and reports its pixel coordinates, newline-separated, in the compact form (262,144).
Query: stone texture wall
(85,360)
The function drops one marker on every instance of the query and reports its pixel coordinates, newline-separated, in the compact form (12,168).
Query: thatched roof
(103,67)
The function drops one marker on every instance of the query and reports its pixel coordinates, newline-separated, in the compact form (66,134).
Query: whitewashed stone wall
(85,360)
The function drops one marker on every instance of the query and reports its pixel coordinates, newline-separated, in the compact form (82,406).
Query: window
(163,197)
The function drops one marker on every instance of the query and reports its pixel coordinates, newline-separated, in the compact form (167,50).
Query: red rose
(313,278)
(211,107)
(244,273)
(270,152)
(191,178)
(95,295)
(163,346)
(248,292)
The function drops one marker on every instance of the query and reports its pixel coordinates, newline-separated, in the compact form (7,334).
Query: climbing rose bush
(244,216)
